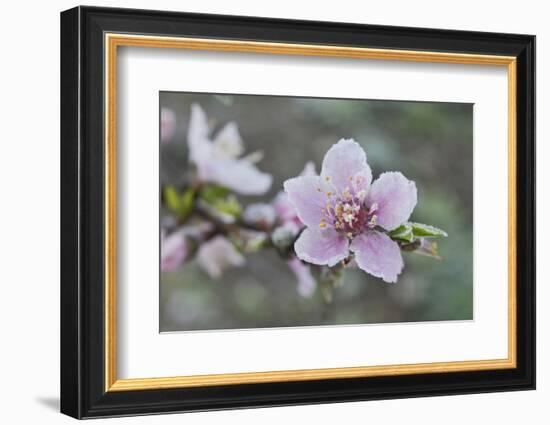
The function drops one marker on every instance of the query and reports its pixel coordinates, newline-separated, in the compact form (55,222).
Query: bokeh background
(429,142)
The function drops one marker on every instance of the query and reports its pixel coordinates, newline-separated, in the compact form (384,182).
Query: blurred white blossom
(302,271)
(174,250)
(218,254)
(260,214)
(167,125)
(219,160)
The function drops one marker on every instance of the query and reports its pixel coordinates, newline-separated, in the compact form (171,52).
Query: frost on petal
(283,206)
(173,251)
(395,199)
(218,254)
(167,125)
(322,247)
(378,255)
(305,195)
(306,282)
(200,147)
(228,142)
(238,175)
(344,161)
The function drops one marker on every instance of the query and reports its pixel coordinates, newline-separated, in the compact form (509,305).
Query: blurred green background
(430,143)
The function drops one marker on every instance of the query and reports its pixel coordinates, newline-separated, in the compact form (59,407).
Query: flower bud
(283,237)
(259,214)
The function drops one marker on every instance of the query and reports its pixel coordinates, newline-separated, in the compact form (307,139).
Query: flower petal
(283,207)
(378,255)
(344,161)
(308,201)
(260,214)
(306,282)
(174,250)
(238,175)
(228,142)
(309,169)
(167,125)
(200,147)
(218,254)
(395,197)
(323,247)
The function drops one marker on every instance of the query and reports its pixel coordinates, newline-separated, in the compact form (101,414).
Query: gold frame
(113,41)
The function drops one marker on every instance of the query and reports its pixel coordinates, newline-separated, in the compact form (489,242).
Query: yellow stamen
(345,193)
(372,221)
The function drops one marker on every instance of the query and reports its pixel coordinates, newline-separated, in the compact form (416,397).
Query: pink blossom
(285,209)
(291,224)
(344,213)
(218,254)
(219,160)
(167,125)
(306,282)
(174,250)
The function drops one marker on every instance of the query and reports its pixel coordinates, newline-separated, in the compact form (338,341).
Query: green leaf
(425,230)
(403,233)
(186,202)
(180,205)
(171,198)
(229,205)
(212,193)
(221,199)
(249,241)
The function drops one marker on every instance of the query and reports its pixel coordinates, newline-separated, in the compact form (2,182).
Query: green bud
(403,233)
(283,237)
(426,230)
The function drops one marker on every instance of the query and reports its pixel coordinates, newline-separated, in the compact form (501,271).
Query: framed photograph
(261,212)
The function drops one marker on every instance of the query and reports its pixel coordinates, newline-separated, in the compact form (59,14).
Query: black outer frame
(82,219)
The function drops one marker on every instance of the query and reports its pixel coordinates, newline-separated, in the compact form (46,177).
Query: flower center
(347,212)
